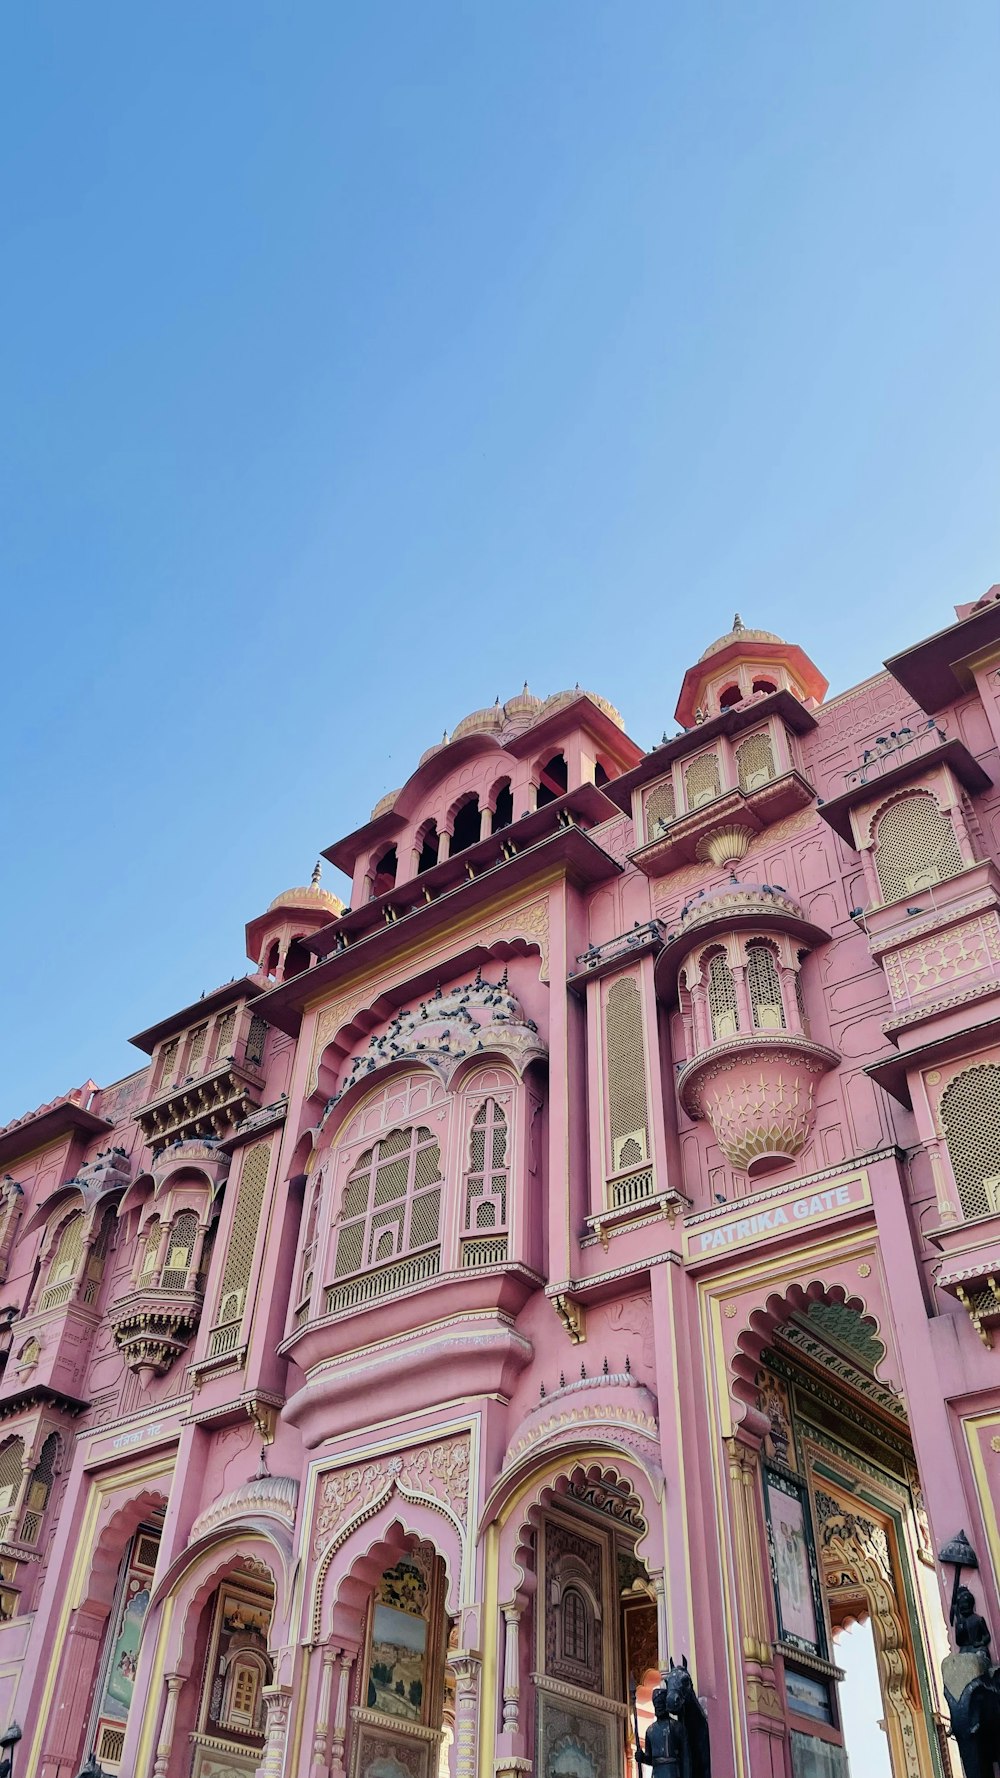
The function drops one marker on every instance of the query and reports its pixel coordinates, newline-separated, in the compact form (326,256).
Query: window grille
(65,1262)
(764,986)
(11,1477)
(800,1000)
(152,1248)
(722,1006)
(702,781)
(970,1113)
(486,1179)
(180,1249)
(243,1234)
(197,1049)
(915,846)
(169,1062)
(39,1489)
(755,761)
(628,1118)
(392,1201)
(575,1624)
(660,809)
(256,1038)
(224,1036)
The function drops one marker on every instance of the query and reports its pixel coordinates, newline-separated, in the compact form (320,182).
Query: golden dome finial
(738,623)
(317,873)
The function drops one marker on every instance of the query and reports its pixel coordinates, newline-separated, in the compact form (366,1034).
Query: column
(322,1729)
(511,1670)
(277,1702)
(165,1743)
(467,1670)
(61,1749)
(340,1713)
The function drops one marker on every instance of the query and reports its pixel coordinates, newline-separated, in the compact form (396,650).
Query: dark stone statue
(972,1689)
(677,1742)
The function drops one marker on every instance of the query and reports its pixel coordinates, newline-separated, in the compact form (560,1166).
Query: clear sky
(360,361)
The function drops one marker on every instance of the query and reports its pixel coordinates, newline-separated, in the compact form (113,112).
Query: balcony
(154,1324)
(209,1105)
(689,836)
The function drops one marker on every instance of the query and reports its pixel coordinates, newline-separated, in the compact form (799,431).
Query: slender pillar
(277,1703)
(340,1713)
(511,1669)
(166,1741)
(467,1670)
(322,1730)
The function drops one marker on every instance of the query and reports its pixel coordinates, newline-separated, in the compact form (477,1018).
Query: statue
(677,1742)
(972,1688)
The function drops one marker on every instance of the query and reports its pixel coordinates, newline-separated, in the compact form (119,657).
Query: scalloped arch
(519,1508)
(193,1596)
(386,1523)
(764,1322)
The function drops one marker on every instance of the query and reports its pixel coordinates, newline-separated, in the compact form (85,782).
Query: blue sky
(361,361)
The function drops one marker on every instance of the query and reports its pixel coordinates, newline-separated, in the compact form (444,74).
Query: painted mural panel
(122,1650)
(792,1562)
(397,1671)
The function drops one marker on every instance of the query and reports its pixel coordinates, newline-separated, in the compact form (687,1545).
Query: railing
(622,943)
(56,1294)
(403,1274)
(224,1339)
(632,1189)
(919,734)
(484,1251)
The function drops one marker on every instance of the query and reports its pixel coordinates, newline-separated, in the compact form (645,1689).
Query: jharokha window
(915,846)
(970,1113)
(392,1201)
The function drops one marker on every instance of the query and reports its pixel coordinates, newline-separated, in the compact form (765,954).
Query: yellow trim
(731,1216)
(73,1594)
(712,1341)
(461,922)
(300,1707)
(147,1733)
(972,1427)
(489,1689)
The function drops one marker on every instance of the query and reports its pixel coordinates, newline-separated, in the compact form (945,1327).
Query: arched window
(553,780)
(628,1116)
(11,1477)
(660,809)
(465,826)
(65,1263)
(722,1006)
(800,999)
(273,958)
(384,873)
(151,1247)
(180,1250)
(392,1201)
(574,1625)
(242,1695)
(702,781)
(39,1489)
(98,1256)
(503,807)
(308,1261)
(428,837)
(970,1113)
(763,686)
(915,846)
(755,761)
(486,1179)
(730,696)
(764,986)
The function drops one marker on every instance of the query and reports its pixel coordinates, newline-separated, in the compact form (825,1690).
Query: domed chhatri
(309,898)
(745,664)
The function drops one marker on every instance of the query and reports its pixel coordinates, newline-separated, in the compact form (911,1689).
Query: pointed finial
(524,688)
(317,873)
(583,1373)
(738,623)
(262,1470)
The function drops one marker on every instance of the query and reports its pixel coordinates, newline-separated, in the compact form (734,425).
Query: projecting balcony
(689,835)
(154,1324)
(207,1106)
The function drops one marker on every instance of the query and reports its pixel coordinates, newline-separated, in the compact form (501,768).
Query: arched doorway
(848,1544)
(581,1586)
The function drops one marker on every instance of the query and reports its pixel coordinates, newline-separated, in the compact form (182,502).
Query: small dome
(559,698)
(739,633)
(480,722)
(524,708)
(384,803)
(312,897)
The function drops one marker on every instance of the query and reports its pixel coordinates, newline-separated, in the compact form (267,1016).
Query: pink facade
(580,1250)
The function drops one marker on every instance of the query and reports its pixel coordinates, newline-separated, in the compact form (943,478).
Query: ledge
(245,987)
(731,722)
(952,753)
(935,672)
(682,840)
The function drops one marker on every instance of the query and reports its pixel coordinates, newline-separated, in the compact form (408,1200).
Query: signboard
(798,1207)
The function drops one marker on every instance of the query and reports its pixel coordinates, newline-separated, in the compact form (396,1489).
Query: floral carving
(439,1471)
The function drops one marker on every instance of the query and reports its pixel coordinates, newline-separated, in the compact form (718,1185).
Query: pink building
(580,1250)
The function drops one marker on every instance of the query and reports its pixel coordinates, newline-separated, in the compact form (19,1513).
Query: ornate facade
(577,1247)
